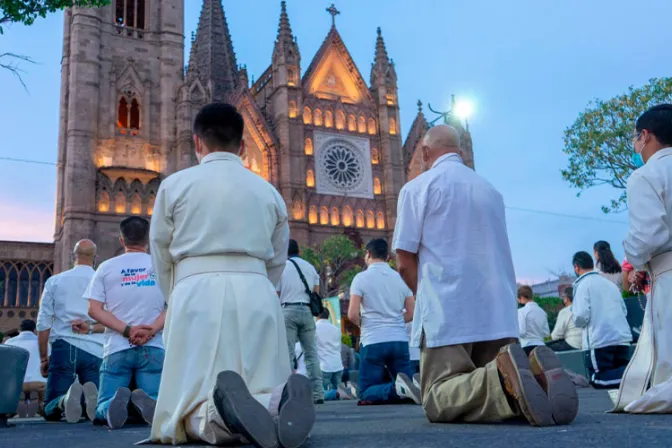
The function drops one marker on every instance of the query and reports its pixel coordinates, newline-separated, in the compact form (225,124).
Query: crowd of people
(212,338)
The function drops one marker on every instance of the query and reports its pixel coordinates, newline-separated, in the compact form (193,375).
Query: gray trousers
(300,326)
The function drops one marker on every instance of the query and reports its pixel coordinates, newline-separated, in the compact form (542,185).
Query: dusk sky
(529,66)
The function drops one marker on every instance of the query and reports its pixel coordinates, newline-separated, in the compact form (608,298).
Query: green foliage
(27,11)
(332,259)
(599,143)
(346,339)
(552,306)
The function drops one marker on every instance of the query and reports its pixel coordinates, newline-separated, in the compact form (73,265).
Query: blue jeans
(376,361)
(66,363)
(142,364)
(331,381)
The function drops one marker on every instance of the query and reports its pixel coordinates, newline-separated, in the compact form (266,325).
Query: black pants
(606,365)
(559,346)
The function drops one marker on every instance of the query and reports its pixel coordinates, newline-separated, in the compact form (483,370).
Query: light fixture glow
(463,109)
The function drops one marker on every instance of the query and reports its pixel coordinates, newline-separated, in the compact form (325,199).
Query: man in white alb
(453,250)
(566,335)
(76,340)
(647,382)
(532,321)
(219,239)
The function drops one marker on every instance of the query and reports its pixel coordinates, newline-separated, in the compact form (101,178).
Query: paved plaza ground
(344,424)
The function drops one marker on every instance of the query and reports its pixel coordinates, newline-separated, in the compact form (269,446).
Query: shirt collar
(28,334)
(584,276)
(82,266)
(450,157)
(660,154)
(223,156)
(378,264)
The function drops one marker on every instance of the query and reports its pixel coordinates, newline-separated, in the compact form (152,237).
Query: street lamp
(461,110)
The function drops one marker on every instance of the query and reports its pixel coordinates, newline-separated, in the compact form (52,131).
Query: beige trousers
(461,383)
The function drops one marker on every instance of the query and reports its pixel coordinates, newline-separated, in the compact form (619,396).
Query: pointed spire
(381,52)
(286,48)
(284,28)
(419,106)
(212,55)
(382,69)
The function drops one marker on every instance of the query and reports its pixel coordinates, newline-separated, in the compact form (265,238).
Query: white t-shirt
(27,340)
(291,287)
(328,339)
(127,286)
(383,295)
(533,325)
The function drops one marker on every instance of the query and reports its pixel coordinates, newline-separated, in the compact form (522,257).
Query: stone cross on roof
(334,12)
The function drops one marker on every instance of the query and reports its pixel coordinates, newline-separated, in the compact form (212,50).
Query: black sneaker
(297,412)
(242,413)
(117,413)
(144,404)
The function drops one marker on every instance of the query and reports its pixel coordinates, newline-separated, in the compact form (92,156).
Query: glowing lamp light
(463,109)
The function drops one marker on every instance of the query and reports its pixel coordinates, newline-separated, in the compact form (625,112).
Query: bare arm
(104,317)
(81,327)
(407,264)
(354,310)
(409,306)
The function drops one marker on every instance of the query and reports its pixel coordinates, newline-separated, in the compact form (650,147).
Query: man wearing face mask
(219,238)
(647,383)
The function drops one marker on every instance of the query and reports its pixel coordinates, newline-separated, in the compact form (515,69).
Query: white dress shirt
(328,338)
(599,309)
(291,287)
(455,221)
(566,329)
(532,324)
(62,302)
(28,341)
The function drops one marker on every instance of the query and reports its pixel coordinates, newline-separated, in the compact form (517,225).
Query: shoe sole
(145,404)
(531,398)
(416,380)
(72,407)
(91,400)
(242,413)
(559,388)
(297,415)
(117,413)
(411,391)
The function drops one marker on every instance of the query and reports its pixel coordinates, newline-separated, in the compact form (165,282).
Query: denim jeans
(300,326)
(331,381)
(66,363)
(142,364)
(376,361)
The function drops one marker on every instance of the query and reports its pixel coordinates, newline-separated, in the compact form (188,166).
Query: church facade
(325,138)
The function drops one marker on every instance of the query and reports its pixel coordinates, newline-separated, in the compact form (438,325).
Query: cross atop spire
(334,12)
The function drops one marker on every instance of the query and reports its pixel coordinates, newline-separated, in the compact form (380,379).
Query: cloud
(25,223)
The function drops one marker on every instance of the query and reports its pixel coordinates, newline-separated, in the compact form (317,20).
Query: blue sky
(530,66)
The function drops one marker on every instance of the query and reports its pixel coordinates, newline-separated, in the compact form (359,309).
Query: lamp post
(459,110)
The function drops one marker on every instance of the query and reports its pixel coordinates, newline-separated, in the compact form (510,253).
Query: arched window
(130,14)
(335,218)
(372,126)
(324,216)
(307,115)
(380,220)
(120,202)
(122,114)
(298,209)
(375,158)
(310,178)
(317,117)
(352,123)
(359,219)
(393,126)
(128,116)
(135,114)
(291,77)
(308,147)
(312,215)
(347,216)
(370,220)
(293,111)
(150,204)
(340,120)
(104,202)
(377,189)
(136,204)
(328,119)
(361,124)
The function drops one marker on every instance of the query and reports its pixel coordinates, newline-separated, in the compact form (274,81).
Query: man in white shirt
(566,335)
(453,251)
(33,380)
(328,339)
(599,309)
(76,340)
(299,320)
(125,297)
(647,382)
(381,304)
(532,321)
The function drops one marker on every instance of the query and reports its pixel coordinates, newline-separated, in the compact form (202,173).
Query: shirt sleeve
(560,329)
(408,228)
(96,289)
(45,317)
(160,238)
(280,241)
(356,286)
(316,277)
(581,306)
(522,322)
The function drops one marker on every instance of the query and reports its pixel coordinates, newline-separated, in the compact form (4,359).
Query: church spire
(284,28)
(286,48)
(212,56)
(382,69)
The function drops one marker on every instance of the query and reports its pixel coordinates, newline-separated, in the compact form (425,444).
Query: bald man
(453,252)
(76,341)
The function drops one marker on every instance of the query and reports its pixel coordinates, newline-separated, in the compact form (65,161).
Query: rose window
(342,167)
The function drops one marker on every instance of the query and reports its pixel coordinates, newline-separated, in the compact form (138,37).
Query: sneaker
(72,403)
(144,404)
(519,384)
(416,380)
(406,389)
(352,389)
(297,412)
(117,413)
(90,399)
(344,394)
(241,413)
(548,370)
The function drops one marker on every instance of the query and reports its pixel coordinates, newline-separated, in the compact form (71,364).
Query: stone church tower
(326,140)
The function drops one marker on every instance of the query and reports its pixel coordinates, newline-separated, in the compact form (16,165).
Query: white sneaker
(344,394)
(352,389)
(72,403)
(117,413)
(406,389)
(91,399)
(416,380)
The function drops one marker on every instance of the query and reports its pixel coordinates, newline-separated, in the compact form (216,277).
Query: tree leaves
(334,261)
(27,11)
(599,143)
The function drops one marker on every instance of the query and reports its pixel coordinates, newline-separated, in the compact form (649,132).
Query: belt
(210,264)
(660,264)
(296,304)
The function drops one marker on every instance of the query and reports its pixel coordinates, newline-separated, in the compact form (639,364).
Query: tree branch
(14,67)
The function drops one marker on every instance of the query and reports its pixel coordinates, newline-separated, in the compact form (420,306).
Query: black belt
(296,304)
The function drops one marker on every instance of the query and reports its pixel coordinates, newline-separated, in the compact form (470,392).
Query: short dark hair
(583,260)
(135,231)
(293,250)
(220,126)
(12,333)
(569,293)
(658,121)
(27,325)
(378,248)
(324,314)
(525,291)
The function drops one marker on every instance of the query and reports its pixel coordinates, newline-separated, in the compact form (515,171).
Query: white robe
(219,238)
(649,245)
